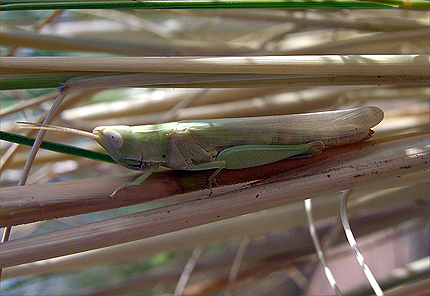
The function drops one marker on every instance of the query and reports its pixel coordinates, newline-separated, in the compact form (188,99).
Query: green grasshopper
(231,143)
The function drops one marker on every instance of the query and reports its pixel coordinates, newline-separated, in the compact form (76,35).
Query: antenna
(69,130)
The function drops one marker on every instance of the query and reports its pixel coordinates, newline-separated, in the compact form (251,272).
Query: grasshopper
(231,143)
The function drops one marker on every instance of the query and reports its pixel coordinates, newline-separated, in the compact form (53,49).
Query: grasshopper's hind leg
(245,156)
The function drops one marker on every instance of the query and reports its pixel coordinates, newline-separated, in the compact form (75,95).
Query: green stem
(32,82)
(404,4)
(208,4)
(66,149)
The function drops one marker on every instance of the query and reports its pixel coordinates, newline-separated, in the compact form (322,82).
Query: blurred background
(242,255)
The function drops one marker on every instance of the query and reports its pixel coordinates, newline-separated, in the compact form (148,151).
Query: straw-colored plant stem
(255,224)
(310,65)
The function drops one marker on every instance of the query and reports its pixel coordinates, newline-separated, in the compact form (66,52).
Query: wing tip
(374,114)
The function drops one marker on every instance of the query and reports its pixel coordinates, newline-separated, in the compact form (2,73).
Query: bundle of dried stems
(142,67)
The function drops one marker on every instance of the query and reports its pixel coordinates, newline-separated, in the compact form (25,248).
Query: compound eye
(114,138)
